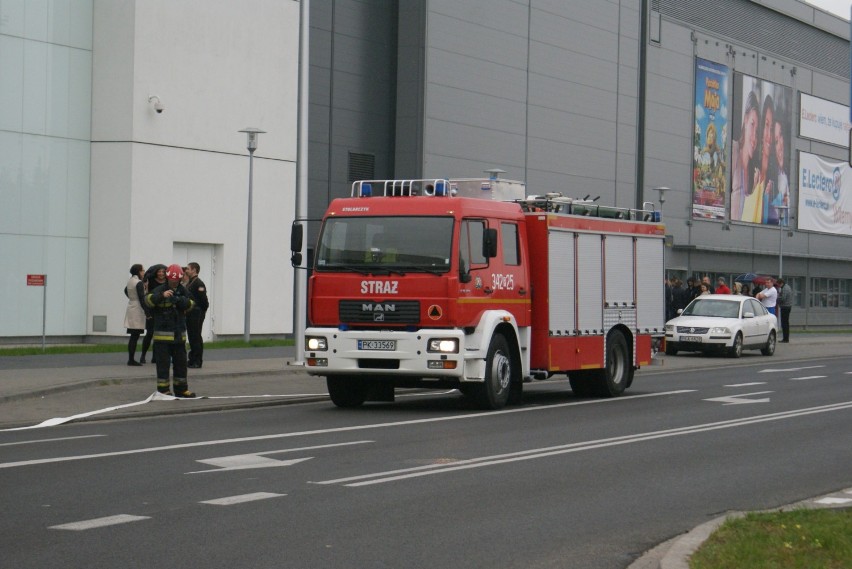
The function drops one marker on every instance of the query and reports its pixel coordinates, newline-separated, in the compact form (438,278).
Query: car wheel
(671,349)
(769,348)
(736,350)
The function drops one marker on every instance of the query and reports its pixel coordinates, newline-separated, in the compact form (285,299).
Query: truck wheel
(347,390)
(617,374)
(493,393)
(582,383)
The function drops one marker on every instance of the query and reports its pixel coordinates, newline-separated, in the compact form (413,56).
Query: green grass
(114,348)
(798,539)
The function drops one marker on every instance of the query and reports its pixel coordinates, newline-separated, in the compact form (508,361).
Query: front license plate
(690,339)
(377,345)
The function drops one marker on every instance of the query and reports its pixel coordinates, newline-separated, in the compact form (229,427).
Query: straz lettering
(379,287)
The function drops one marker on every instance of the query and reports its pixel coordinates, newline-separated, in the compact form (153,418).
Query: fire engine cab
(471,284)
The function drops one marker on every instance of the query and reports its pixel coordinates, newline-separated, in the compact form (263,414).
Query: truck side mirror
(489,243)
(296,234)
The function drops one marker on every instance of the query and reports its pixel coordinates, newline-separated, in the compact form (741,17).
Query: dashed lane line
(100,522)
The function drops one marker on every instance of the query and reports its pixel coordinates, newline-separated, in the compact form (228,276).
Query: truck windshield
(386,244)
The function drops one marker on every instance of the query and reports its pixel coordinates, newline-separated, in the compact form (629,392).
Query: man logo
(377,307)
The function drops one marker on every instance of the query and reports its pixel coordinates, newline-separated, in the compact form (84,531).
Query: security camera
(158,104)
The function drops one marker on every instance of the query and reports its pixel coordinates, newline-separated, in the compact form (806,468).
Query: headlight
(443,345)
(669,327)
(316,344)
(721,331)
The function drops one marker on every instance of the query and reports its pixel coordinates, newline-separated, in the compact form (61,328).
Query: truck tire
(617,374)
(493,393)
(347,390)
(582,383)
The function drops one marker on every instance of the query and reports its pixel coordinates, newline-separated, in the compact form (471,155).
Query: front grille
(691,330)
(379,311)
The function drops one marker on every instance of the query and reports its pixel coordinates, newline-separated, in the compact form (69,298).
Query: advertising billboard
(709,156)
(823,120)
(760,151)
(825,195)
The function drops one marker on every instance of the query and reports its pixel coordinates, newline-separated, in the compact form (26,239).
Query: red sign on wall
(36,280)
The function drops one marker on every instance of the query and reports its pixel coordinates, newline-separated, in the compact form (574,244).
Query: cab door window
(470,244)
(511,254)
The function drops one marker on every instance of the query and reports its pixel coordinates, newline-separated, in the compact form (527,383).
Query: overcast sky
(839,7)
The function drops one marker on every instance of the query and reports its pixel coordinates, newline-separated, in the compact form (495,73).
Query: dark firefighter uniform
(170,332)
(195,321)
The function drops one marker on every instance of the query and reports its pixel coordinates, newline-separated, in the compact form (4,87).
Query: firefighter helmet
(174,272)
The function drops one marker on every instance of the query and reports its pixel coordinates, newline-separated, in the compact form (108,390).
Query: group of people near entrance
(168,304)
(774,296)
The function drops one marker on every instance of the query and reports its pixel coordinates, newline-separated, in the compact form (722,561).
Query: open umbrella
(745,278)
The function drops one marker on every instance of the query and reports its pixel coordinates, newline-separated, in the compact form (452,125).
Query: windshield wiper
(421,269)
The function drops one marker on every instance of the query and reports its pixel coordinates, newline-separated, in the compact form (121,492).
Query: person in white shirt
(768,296)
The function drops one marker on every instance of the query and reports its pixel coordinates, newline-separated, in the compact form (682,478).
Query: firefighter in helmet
(169,304)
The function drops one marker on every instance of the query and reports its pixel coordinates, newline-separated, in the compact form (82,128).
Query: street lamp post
(782,219)
(663,190)
(251,145)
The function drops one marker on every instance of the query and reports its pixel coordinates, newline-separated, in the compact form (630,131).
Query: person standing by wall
(768,297)
(785,303)
(168,304)
(134,316)
(721,286)
(195,317)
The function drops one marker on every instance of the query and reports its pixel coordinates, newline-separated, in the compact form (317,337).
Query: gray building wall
(773,44)
(549,91)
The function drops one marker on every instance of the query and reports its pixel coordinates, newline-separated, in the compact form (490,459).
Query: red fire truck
(473,285)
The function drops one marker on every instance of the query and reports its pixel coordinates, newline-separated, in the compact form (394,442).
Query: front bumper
(409,358)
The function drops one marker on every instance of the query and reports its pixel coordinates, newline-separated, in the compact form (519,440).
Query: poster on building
(760,151)
(823,120)
(709,163)
(825,195)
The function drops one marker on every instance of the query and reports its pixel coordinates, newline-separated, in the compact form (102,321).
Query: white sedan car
(726,322)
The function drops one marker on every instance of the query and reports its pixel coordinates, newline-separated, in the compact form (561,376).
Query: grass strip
(797,539)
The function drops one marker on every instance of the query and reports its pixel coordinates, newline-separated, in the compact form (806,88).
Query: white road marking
(834,501)
(353,428)
(807,377)
(100,522)
(741,399)
(246,462)
(746,384)
(788,369)
(49,440)
(231,500)
(427,470)
(259,460)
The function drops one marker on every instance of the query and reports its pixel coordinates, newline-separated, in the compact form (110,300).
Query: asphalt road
(429,481)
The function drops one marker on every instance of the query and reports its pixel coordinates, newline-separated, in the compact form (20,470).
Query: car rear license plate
(377,345)
(696,339)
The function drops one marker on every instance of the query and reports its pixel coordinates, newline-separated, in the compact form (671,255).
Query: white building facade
(94,179)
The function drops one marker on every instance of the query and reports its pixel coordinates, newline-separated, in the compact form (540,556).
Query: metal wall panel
(561,282)
(589,291)
(650,306)
(619,260)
